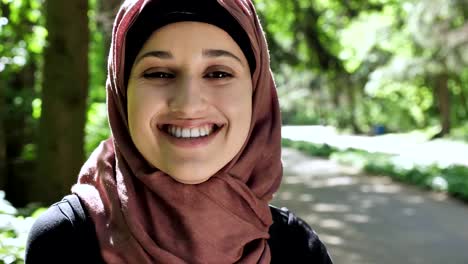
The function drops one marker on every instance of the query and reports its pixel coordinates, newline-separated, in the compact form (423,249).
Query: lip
(190,142)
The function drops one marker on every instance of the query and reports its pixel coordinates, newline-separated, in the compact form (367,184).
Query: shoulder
(60,233)
(292,240)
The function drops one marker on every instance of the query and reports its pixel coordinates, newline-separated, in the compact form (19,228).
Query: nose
(187,98)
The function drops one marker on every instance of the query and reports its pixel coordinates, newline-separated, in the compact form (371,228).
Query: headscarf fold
(142,215)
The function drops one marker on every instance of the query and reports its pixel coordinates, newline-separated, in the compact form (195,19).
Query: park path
(372,220)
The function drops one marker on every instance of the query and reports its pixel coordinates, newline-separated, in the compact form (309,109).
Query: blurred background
(374,98)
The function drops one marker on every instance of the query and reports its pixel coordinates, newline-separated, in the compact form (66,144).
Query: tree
(307,38)
(439,33)
(64,94)
(107,10)
(21,43)
(3,156)
(401,64)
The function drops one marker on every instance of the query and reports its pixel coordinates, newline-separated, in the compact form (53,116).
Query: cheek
(142,104)
(238,106)
(243,103)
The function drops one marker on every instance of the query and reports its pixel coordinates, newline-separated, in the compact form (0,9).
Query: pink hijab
(142,215)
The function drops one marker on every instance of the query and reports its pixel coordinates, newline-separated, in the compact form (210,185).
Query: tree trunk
(17,128)
(464,104)
(463,98)
(19,131)
(64,93)
(107,12)
(443,99)
(350,90)
(3,157)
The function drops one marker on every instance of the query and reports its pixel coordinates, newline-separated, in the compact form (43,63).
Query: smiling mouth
(190,133)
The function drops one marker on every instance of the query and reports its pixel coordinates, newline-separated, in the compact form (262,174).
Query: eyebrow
(155,53)
(214,53)
(210,53)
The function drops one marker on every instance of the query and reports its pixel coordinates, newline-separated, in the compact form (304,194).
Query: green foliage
(22,41)
(460,133)
(97,128)
(456,177)
(453,179)
(355,64)
(311,149)
(97,58)
(14,227)
(22,36)
(350,64)
(22,33)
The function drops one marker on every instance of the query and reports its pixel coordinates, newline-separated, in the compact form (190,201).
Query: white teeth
(186,132)
(202,131)
(190,132)
(194,133)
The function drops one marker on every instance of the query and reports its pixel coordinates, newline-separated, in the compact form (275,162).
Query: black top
(65,234)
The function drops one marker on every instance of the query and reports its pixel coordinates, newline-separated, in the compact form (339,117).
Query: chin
(189,178)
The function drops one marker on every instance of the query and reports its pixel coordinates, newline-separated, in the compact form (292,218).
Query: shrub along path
(373,220)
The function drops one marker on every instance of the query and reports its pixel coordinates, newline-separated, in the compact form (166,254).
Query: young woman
(195,153)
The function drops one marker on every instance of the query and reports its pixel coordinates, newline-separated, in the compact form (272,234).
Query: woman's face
(189,100)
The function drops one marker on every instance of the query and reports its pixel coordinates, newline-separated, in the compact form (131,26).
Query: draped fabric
(142,215)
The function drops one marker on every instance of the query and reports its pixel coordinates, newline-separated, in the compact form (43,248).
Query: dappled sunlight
(326,174)
(320,167)
(296,165)
(357,218)
(330,208)
(332,224)
(414,199)
(311,219)
(329,182)
(380,188)
(372,220)
(339,181)
(409,211)
(293,180)
(332,240)
(438,196)
(370,201)
(305,197)
(388,81)
(367,204)
(285,196)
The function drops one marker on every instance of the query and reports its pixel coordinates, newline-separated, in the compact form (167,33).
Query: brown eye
(218,75)
(158,75)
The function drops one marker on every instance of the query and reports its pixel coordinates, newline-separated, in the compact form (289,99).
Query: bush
(14,227)
(324,150)
(456,177)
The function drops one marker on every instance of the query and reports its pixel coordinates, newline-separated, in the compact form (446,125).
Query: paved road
(372,220)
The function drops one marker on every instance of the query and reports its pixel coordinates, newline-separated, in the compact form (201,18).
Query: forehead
(190,35)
